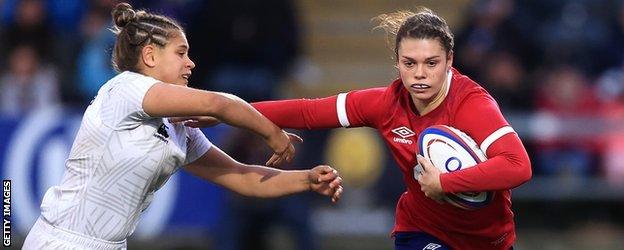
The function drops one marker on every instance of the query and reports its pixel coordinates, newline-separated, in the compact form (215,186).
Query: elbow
(522,167)
(524,173)
(519,171)
(214,104)
(527,172)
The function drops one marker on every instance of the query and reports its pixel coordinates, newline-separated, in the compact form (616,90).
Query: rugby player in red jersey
(428,92)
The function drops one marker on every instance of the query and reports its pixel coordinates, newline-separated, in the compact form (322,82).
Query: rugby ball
(450,150)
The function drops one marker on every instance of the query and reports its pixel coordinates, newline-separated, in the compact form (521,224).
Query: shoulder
(129,85)
(128,77)
(384,98)
(464,89)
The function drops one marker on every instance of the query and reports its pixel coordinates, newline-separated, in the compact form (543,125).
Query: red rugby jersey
(467,107)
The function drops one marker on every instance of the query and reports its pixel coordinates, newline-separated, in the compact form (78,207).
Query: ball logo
(35,159)
(453,164)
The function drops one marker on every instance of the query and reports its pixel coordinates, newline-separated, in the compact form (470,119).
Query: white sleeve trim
(341,109)
(494,136)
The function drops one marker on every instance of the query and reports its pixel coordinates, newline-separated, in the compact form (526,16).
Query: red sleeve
(353,109)
(301,113)
(508,163)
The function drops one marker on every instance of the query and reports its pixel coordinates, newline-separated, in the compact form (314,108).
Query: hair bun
(123,14)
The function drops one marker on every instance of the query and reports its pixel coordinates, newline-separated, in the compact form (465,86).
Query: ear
(449,60)
(148,56)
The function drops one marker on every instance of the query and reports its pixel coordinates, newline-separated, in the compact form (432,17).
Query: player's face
(423,66)
(174,65)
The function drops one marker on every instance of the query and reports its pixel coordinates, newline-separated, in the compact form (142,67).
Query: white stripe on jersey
(341,109)
(494,136)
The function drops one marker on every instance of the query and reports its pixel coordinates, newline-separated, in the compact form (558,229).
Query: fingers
(337,182)
(181,119)
(327,181)
(294,137)
(274,160)
(195,121)
(290,153)
(208,121)
(424,162)
(192,124)
(323,169)
(329,175)
(424,187)
(337,194)
(279,157)
(335,185)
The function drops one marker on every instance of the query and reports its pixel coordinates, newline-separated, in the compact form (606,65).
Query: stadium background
(555,67)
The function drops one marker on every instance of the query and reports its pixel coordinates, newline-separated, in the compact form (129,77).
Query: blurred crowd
(557,62)
(555,66)
(561,63)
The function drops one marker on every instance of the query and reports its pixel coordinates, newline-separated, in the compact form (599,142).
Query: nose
(190,64)
(419,72)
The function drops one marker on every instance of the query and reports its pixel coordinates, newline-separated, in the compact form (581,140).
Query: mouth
(420,86)
(186,76)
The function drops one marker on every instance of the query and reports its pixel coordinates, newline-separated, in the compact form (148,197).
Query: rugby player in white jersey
(126,148)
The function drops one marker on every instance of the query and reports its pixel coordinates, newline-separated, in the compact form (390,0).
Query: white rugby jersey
(119,158)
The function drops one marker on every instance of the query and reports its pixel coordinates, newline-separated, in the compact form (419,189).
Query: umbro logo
(403,132)
(432,246)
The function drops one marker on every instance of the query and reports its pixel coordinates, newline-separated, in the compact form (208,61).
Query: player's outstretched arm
(259,181)
(169,100)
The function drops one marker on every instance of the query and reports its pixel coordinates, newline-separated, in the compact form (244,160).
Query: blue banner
(32,156)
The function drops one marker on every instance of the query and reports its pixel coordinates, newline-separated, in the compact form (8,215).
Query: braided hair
(135,30)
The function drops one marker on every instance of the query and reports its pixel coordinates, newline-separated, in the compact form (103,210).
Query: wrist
(309,179)
(441,178)
(272,131)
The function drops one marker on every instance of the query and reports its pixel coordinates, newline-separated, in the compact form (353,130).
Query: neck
(425,107)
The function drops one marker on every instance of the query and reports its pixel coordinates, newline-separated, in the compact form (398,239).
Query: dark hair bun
(123,14)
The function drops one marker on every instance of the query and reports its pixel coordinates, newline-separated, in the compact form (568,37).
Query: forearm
(494,174)
(509,168)
(236,112)
(264,182)
(168,100)
(301,113)
(258,181)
